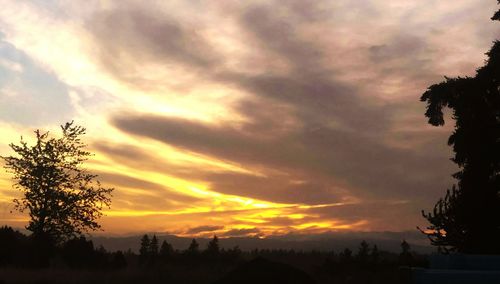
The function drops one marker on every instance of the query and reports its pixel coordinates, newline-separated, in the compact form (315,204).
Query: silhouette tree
(62,198)
(345,255)
(118,260)
(78,252)
(363,252)
(193,247)
(496,17)
(153,247)
(213,247)
(13,247)
(166,250)
(375,255)
(405,257)
(145,250)
(467,219)
(234,253)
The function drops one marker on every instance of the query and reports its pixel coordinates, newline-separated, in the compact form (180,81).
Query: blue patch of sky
(32,96)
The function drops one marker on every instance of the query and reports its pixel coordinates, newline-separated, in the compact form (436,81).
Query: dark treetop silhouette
(467,219)
(63,199)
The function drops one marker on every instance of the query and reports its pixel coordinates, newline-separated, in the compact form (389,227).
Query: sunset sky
(243,118)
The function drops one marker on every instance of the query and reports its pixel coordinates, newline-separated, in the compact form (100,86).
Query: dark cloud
(310,87)
(407,58)
(122,151)
(203,229)
(241,232)
(277,35)
(401,47)
(277,188)
(135,35)
(380,215)
(340,157)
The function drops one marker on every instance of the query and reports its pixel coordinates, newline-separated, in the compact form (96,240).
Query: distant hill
(388,241)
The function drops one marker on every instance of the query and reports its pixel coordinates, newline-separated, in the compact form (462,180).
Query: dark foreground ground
(285,269)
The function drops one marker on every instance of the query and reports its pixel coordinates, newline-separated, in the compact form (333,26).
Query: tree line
(20,250)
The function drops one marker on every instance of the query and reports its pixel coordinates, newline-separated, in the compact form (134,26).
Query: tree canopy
(467,219)
(62,198)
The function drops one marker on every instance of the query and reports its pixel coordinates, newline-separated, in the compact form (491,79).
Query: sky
(243,118)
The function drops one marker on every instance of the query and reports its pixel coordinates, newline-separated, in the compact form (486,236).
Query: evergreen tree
(375,255)
(405,247)
(193,247)
(496,17)
(166,250)
(213,246)
(118,260)
(234,253)
(101,249)
(153,246)
(467,219)
(78,252)
(405,257)
(363,252)
(345,255)
(145,250)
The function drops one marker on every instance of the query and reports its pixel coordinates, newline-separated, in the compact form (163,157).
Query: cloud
(321,153)
(277,188)
(318,137)
(28,93)
(241,232)
(133,36)
(281,102)
(11,65)
(159,195)
(203,229)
